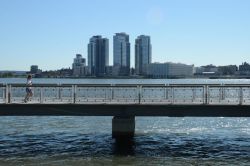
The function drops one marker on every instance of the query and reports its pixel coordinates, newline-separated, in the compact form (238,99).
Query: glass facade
(121,52)
(143,54)
(98,55)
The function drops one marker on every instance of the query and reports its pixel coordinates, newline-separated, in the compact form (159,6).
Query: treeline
(6,75)
(10,75)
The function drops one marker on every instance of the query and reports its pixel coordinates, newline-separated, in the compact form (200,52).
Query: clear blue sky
(50,32)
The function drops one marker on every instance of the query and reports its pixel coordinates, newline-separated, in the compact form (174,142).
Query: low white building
(168,70)
(206,70)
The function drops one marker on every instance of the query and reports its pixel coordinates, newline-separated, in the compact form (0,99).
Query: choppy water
(158,140)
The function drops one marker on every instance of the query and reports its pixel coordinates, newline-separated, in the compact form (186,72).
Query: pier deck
(227,100)
(125,102)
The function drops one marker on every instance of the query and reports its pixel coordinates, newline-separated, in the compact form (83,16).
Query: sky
(49,33)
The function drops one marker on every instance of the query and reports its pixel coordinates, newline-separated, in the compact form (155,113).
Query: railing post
(193,93)
(172,95)
(241,96)
(41,95)
(9,94)
(139,87)
(165,92)
(60,93)
(3,93)
(6,93)
(74,93)
(206,94)
(106,97)
(221,93)
(112,92)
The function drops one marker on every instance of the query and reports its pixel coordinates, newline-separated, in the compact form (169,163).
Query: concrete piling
(123,127)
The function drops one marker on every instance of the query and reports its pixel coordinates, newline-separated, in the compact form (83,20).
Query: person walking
(29,92)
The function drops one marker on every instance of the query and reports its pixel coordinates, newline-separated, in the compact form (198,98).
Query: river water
(158,140)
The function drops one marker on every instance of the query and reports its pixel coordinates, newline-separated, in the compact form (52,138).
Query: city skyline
(193,32)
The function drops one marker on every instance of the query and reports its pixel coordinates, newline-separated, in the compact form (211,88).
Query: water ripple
(160,141)
(142,145)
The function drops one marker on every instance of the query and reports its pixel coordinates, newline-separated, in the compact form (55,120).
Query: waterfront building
(206,70)
(98,55)
(64,72)
(33,69)
(210,68)
(78,66)
(227,70)
(121,53)
(109,70)
(169,70)
(244,69)
(199,70)
(143,54)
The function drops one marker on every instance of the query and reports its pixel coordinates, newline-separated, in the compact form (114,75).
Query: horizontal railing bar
(172,85)
(189,84)
(70,85)
(88,85)
(132,85)
(106,85)
(40,85)
(212,85)
(231,85)
(35,85)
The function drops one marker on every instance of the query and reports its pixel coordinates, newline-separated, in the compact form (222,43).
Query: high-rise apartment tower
(143,54)
(98,56)
(121,53)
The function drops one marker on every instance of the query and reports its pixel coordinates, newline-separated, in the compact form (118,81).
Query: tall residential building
(121,52)
(78,66)
(143,54)
(98,55)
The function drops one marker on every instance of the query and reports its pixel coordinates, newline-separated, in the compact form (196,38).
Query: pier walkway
(125,102)
(129,99)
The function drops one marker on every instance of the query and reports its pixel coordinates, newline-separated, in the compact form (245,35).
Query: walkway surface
(228,100)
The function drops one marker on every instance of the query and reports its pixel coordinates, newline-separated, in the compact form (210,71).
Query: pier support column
(123,127)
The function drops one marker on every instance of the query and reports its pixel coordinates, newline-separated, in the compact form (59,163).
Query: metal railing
(212,94)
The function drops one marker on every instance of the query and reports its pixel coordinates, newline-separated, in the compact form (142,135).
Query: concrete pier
(123,127)
(126,101)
